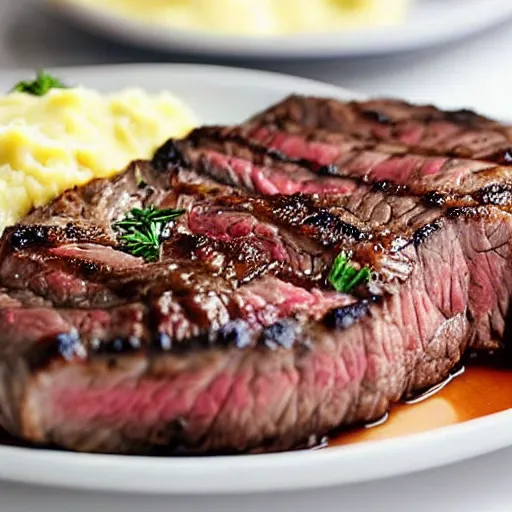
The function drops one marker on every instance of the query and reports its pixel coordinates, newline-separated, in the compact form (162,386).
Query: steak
(234,339)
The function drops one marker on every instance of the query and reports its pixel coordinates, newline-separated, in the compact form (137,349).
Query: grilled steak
(234,340)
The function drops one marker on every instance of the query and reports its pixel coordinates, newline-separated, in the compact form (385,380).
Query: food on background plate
(53,137)
(252,288)
(258,17)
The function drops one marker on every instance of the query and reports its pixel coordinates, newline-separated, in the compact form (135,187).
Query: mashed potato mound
(70,136)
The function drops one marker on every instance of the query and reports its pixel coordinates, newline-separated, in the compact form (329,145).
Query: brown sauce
(475,393)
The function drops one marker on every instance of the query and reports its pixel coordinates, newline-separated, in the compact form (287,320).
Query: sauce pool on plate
(475,393)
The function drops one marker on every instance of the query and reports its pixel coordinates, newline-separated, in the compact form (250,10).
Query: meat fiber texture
(234,340)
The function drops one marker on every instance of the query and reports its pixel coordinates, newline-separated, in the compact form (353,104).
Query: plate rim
(305,469)
(486,13)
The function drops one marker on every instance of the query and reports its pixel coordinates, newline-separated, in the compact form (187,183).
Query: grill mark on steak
(46,235)
(241,141)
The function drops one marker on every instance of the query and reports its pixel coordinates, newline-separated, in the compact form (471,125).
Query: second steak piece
(421,128)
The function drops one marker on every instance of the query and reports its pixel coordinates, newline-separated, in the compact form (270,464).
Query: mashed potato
(69,136)
(258,17)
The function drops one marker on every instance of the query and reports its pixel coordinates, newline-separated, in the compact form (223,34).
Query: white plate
(430,22)
(224,95)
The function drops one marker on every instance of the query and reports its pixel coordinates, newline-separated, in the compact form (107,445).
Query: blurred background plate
(429,23)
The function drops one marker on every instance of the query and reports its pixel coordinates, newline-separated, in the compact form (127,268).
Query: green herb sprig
(142,230)
(40,86)
(344,277)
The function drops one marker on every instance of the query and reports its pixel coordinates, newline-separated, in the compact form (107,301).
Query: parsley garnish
(142,230)
(40,86)
(344,277)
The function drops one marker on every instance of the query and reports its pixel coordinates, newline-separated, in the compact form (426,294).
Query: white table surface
(474,73)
